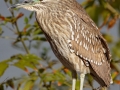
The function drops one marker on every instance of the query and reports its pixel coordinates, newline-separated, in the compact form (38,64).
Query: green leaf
(48,77)
(27,26)
(28,85)
(39,38)
(77,84)
(94,12)
(10,83)
(108,38)
(116,50)
(28,60)
(59,75)
(1,32)
(31,15)
(36,32)
(41,70)
(5,0)
(26,20)
(3,66)
(10,1)
(1,86)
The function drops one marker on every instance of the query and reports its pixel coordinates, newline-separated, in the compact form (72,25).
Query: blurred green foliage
(47,77)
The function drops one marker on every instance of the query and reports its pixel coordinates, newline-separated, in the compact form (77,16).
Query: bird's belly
(68,59)
(61,51)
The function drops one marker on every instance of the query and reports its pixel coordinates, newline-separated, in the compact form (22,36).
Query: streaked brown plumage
(74,38)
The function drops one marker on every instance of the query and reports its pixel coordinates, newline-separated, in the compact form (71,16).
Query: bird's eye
(26,1)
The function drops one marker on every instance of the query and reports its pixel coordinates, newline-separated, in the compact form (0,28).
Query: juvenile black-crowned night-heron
(74,38)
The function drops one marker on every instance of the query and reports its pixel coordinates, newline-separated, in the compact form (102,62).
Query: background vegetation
(41,70)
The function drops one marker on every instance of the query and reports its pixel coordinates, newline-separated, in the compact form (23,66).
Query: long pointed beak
(21,5)
(16,6)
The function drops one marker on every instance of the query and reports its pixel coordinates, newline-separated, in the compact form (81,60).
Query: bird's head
(35,5)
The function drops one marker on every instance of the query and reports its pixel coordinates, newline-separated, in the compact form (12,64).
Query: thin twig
(6,37)
(110,8)
(16,25)
(26,49)
(10,28)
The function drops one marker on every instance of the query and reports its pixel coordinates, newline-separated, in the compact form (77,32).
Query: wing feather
(89,45)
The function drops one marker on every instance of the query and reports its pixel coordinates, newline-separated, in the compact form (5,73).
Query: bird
(74,38)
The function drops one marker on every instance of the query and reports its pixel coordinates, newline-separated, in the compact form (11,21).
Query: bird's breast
(57,32)
(70,60)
